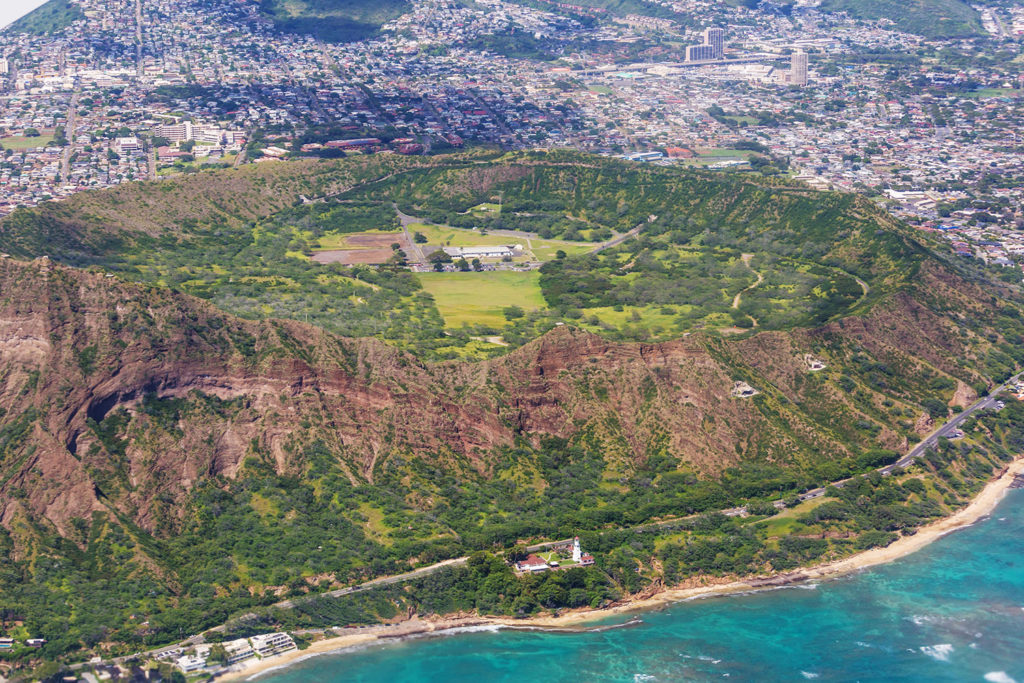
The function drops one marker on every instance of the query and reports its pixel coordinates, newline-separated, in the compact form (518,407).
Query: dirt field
(375,241)
(350,257)
(368,249)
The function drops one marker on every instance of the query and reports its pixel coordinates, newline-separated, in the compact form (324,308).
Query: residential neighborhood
(219,657)
(937,145)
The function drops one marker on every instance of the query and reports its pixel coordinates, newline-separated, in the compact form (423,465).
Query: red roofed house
(532,563)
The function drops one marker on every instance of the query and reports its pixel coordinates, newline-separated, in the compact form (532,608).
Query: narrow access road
(69,133)
(138,39)
(615,241)
(946,430)
(382,581)
(406,220)
(739,295)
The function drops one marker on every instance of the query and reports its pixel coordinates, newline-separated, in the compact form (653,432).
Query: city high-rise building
(798,69)
(699,53)
(5,66)
(178,132)
(715,37)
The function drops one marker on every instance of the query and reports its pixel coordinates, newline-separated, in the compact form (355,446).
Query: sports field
(480,298)
(21,142)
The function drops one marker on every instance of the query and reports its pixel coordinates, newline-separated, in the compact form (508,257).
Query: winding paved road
(622,238)
(407,220)
(947,429)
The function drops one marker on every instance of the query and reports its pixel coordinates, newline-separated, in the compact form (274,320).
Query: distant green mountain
(332,20)
(929,18)
(51,17)
(618,8)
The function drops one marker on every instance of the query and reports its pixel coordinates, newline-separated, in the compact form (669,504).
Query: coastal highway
(947,430)
(383,581)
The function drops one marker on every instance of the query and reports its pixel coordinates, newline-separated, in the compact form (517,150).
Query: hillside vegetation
(48,18)
(241,240)
(166,465)
(332,20)
(929,18)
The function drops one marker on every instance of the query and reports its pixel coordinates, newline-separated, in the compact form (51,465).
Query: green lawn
(543,250)
(786,521)
(995,92)
(21,142)
(659,323)
(461,237)
(485,208)
(479,298)
(552,556)
(646,316)
(723,152)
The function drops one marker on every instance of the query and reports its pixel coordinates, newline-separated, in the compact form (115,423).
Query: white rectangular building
(178,132)
(238,650)
(268,644)
(189,664)
(497,251)
(128,144)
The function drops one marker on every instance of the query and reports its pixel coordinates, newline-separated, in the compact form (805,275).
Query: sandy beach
(982,505)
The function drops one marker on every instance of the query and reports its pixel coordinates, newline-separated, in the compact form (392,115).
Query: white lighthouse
(577,553)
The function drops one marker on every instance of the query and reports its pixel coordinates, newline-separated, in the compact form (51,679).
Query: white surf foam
(482,628)
(809,675)
(702,658)
(998,677)
(940,652)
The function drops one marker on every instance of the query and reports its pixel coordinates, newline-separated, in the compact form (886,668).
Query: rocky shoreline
(576,620)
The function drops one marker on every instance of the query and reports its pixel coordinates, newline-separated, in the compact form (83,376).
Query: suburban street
(65,157)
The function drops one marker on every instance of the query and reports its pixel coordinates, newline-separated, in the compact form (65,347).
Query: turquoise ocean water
(951,612)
